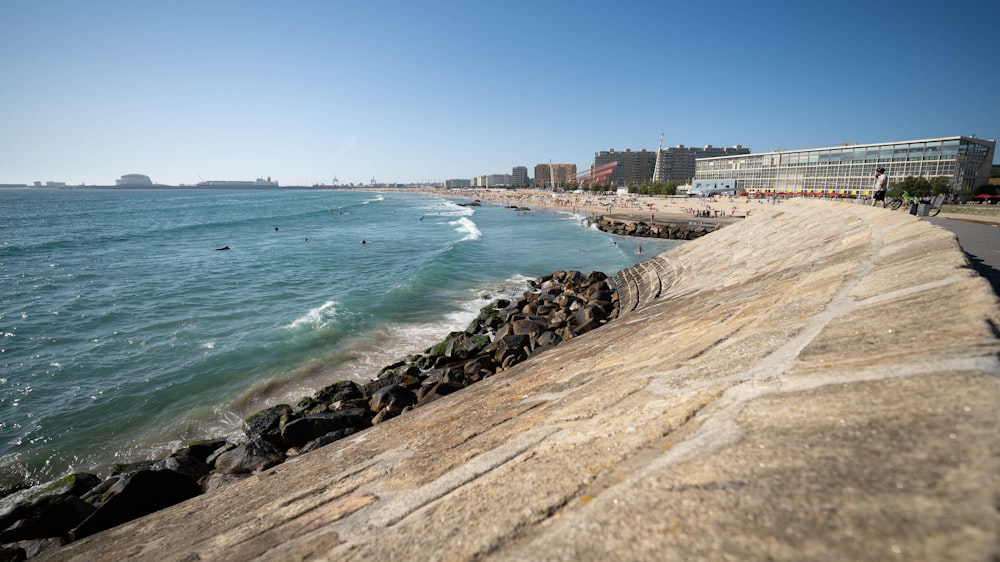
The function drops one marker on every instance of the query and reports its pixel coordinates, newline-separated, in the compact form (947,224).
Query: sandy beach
(648,208)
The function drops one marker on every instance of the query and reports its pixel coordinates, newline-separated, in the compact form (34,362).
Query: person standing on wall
(881,185)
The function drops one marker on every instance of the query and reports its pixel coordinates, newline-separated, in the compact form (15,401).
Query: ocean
(126,332)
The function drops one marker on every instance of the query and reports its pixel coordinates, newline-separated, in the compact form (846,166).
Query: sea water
(133,321)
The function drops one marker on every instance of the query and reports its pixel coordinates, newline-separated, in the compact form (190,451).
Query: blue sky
(425,91)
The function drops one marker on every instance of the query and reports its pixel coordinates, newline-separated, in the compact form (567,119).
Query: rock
(202,449)
(326,439)
(588,318)
(303,430)
(253,456)
(12,553)
(338,391)
(548,339)
(266,424)
(189,466)
(434,391)
(531,327)
(464,345)
(393,397)
(218,480)
(50,516)
(31,548)
(135,495)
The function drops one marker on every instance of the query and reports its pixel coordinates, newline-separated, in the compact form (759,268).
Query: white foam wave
(377,198)
(465,226)
(317,317)
(451,209)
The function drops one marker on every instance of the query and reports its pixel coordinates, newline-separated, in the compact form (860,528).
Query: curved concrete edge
(817,382)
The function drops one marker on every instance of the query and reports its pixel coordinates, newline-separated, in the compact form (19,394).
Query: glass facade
(850,170)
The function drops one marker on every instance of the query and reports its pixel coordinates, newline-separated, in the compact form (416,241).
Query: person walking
(880,187)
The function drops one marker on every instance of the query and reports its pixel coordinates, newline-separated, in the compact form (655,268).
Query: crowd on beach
(630,205)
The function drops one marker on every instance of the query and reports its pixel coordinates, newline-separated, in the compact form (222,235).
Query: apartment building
(562,174)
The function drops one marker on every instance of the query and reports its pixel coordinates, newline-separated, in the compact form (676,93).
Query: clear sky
(305,91)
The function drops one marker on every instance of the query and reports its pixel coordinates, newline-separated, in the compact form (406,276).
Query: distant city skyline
(308,91)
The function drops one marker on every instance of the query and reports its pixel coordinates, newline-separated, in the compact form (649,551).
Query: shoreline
(646,208)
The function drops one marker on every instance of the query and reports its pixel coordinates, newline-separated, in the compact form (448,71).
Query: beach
(655,209)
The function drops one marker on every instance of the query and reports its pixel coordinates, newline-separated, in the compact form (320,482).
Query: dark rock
(531,327)
(464,345)
(326,439)
(432,392)
(218,480)
(340,390)
(304,430)
(189,466)
(266,424)
(392,397)
(121,468)
(202,449)
(253,456)
(50,516)
(510,350)
(548,339)
(384,415)
(12,554)
(348,404)
(588,318)
(210,461)
(135,495)
(32,548)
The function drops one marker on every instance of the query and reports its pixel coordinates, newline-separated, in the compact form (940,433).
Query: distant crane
(335,182)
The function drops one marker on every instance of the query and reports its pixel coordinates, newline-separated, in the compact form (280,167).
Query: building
(457,183)
(519,176)
(492,180)
(561,174)
(849,170)
(133,180)
(259,182)
(678,163)
(634,168)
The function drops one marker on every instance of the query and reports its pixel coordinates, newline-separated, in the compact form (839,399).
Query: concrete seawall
(819,381)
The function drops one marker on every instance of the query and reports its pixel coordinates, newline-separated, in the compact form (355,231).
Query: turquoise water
(124,331)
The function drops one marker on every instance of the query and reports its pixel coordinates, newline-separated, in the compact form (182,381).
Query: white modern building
(133,180)
(849,170)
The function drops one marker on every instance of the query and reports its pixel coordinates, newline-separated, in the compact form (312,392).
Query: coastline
(646,208)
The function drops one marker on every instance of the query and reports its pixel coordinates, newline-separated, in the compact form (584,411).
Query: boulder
(588,318)
(324,440)
(253,456)
(201,449)
(303,430)
(50,516)
(393,397)
(266,424)
(192,467)
(23,550)
(135,495)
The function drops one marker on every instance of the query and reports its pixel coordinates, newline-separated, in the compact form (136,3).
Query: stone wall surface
(817,382)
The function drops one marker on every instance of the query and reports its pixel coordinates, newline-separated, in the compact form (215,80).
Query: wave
(319,317)
(377,198)
(465,226)
(447,208)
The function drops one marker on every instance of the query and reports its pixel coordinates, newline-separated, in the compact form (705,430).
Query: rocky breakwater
(643,229)
(556,308)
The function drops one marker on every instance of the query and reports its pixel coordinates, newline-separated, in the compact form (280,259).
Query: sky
(305,92)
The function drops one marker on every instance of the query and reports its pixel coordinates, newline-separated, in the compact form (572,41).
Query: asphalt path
(980,242)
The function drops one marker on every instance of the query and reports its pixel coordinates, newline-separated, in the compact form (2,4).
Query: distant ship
(259,182)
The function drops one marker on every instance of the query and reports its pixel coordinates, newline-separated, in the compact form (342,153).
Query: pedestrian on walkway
(881,185)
